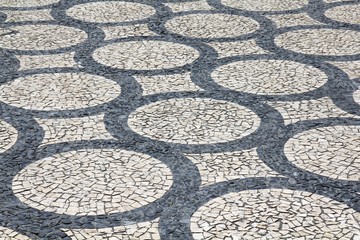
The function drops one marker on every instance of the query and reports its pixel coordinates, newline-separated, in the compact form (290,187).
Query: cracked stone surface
(179,119)
(194,121)
(59,91)
(329,151)
(274,213)
(88,182)
(269,77)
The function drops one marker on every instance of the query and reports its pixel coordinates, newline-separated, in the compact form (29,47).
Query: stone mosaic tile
(229,49)
(269,77)
(73,129)
(328,42)
(65,60)
(295,111)
(189,6)
(274,213)
(226,166)
(26,3)
(265,5)
(340,13)
(194,121)
(329,151)
(211,25)
(290,20)
(8,136)
(110,11)
(59,91)
(114,32)
(9,234)
(335,1)
(23,16)
(41,37)
(179,119)
(146,55)
(166,83)
(141,231)
(356,96)
(87,182)
(351,68)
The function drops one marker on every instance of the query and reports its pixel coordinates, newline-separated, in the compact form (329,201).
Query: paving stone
(179,119)
(211,25)
(110,11)
(194,121)
(23,16)
(328,42)
(274,213)
(263,5)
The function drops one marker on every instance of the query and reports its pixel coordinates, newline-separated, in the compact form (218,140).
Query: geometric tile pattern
(275,213)
(179,119)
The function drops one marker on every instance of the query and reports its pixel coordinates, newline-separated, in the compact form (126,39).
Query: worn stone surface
(179,119)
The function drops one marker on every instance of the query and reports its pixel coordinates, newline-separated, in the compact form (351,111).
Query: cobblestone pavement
(179,119)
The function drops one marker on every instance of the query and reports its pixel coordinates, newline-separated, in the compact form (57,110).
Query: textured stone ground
(175,119)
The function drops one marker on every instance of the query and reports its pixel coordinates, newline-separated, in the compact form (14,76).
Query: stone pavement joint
(179,119)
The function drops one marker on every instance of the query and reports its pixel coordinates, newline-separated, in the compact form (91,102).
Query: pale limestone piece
(9,234)
(274,214)
(42,37)
(351,68)
(230,49)
(345,13)
(295,111)
(8,136)
(290,20)
(139,231)
(110,11)
(269,77)
(113,32)
(26,3)
(356,96)
(166,83)
(92,182)
(33,15)
(59,91)
(193,121)
(29,62)
(214,25)
(323,42)
(145,55)
(6,31)
(265,5)
(189,6)
(329,151)
(60,130)
(334,1)
(225,166)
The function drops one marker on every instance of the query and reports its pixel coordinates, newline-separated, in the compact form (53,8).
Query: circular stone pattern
(269,77)
(9,234)
(328,151)
(345,13)
(265,5)
(112,11)
(194,121)
(324,42)
(59,91)
(145,55)
(92,182)
(274,214)
(8,136)
(26,3)
(211,25)
(41,37)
